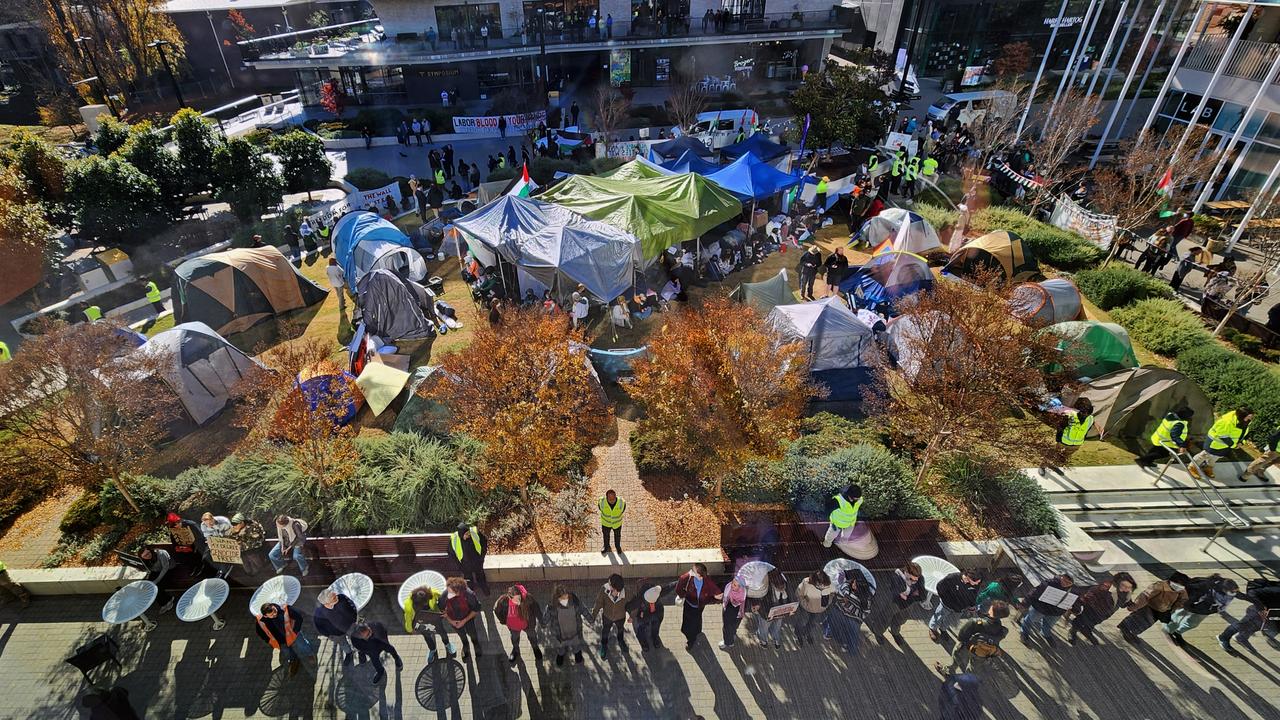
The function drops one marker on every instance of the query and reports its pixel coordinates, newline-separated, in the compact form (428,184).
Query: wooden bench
(797,546)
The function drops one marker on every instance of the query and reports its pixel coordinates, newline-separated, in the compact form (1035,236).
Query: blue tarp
(614,363)
(690,162)
(676,147)
(750,178)
(759,145)
(362,242)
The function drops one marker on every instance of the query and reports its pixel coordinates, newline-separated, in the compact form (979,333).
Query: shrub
(649,455)
(572,507)
(368,178)
(939,217)
(888,485)
(21,489)
(416,482)
(1246,343)
(984,485)
(154,497)
(1117,285)
(1163,326)
(1027,504)
(83,515)
(1054,246)
(826,432)
(1231,379)
(759,481)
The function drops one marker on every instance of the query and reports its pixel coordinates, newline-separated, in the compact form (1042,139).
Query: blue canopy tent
(690,162)
(759,145)
(676,147)
(363,242)
(888,277)
(750,178)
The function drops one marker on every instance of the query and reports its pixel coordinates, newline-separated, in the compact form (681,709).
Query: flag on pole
(525,186)
(1164,188)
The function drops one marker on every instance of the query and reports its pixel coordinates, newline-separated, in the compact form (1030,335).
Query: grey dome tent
(391,306)
(1046,303)
(766,295)
(837,338)
(233,290)
(200,368)
(1130,403)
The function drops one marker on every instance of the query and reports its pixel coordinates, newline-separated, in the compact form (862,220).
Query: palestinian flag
(524,186)
(1164,188)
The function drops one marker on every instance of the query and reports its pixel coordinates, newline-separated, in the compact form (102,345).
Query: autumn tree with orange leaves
(721,386)
(526,389)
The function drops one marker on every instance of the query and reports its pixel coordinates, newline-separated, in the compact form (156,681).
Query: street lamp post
(83,42)
(159,45)
(543,80)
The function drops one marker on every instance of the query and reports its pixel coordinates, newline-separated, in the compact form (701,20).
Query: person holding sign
(772,609)
(1049,601)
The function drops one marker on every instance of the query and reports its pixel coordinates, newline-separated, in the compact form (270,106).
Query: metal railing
(1227,514)
(1251,60)
(303,40)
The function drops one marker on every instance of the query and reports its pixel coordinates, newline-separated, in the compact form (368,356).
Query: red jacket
(687,590)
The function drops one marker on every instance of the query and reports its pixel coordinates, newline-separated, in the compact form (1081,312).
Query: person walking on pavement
(845,514)
(1255,618)
(1205,596)
(611,605)
(694,591)
(733,609)
(519,612)
(469,547)
(978,638)
(1228,431)
(775,594)
(154,297)
(611,509)
(646,617)
(814,594)
(563,621)
(957,594)
(961,698)
(905,586)
(852,605)
(9,586)
(502,125)
(461,607)
(291,534)
(1172,433)
(335,615)
(447,154)
(1075,424)
(416,129)
(810,261)
(337,281)
(280,626)
(1157,602)
(369,639)
(424,614)
(1043,611)
(573,112)
(1270,456)
(1099,603)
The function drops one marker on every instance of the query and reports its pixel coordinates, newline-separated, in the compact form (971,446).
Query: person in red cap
(189,546)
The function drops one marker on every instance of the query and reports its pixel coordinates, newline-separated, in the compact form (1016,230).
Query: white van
(719,127)
(970,107)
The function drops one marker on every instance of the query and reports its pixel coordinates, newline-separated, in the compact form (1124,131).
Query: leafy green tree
(146,151)
(197,141)
(303,164)
(846,104)
(246,179)
(43,171)
(115,202)
(111,136)
(23,224)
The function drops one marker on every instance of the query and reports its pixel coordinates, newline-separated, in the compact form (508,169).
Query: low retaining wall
(75,581)
(594,566)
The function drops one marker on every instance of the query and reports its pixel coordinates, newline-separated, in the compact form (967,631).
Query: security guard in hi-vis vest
(611,509)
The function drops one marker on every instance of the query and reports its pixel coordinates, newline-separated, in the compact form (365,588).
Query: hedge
(1163,326)
(1231,379)
(938,217)
(984,483)
(1051,245)
(1111,287)
(888,483)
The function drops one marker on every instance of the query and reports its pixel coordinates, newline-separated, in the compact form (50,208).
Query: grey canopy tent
(392,306)
(1130,403)
(199,367)
(548,243)
(766,295)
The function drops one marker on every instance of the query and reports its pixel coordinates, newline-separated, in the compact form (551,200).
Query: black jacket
(375,644)
(337,621)
(763,605)
(1205,595)
(809,263)
(988,627)
(275,625)
(956,594)
(1046,608)
(471,561)
(898,585)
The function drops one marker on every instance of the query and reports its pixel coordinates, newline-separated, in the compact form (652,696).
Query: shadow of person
(727,703)
(668,677)
(287,695)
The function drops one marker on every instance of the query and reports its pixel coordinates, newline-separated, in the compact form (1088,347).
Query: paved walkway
(190,671)
(616,470)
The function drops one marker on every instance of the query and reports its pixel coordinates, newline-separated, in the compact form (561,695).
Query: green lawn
(56,135)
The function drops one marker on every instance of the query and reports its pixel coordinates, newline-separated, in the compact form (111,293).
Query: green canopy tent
(766,295)
(1091,349)
(660,211)
(637,169)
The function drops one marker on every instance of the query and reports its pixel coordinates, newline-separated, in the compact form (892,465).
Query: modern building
(419,48)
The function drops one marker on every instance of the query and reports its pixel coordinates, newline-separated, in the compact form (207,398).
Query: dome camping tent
(1046,303)
(917,237)
(766,295)
(638,168)
(690,161)
(199,367)
(1130,403)
(837,338)
(677,146)
(888,277)
(1091,349)
(391,307)
(1001,251)
(363,242)
(757,144)
(233,290)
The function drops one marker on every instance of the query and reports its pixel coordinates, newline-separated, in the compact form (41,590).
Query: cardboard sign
(224,551)
(778,611)
(182,535)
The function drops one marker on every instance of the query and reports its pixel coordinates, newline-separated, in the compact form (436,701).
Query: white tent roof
(837,338)
(918,236)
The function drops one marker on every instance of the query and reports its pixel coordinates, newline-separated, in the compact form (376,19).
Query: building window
(467,20)
(744,8)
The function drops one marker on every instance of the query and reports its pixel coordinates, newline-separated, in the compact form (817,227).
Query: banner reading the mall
(489,123)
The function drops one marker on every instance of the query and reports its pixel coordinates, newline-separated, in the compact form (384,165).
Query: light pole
(911,47)
(83,42)
(159,45)
(214,30)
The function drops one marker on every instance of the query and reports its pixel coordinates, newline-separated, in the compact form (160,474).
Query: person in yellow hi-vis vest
(845,514)
(5,355)
(92,313)
(153,296)
(611,509)
(1077,423)
(1228,431)
(1172,433)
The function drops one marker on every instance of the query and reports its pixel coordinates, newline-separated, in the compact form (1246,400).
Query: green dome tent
(766,295)
(1091,349)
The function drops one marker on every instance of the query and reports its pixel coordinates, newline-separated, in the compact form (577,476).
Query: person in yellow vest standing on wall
(611,509)
(5,355)
(153,296)
(468,546)
(8,586)
(1228,431)
(845,514)
(1077,423)
(93,313)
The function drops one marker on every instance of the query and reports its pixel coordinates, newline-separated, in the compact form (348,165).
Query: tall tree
(685,100)
(1055,152)
(611,108)
(197,142)
(846,104)
(720,386)
(148,151)
(303,164)
(1013,62)
(995,130)
(1134,188)
(526,389)
(246,179)
(115,202)
(82,404)
(333,98)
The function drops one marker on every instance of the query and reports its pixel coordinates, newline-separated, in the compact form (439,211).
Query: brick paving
(190,671)
(616,470)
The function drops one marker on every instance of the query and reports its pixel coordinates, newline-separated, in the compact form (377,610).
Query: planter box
(797,546)
(75,581)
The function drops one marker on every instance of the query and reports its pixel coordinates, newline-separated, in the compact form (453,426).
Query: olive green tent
(766,295)
(1091,349)
(660,211)
(1130,403)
